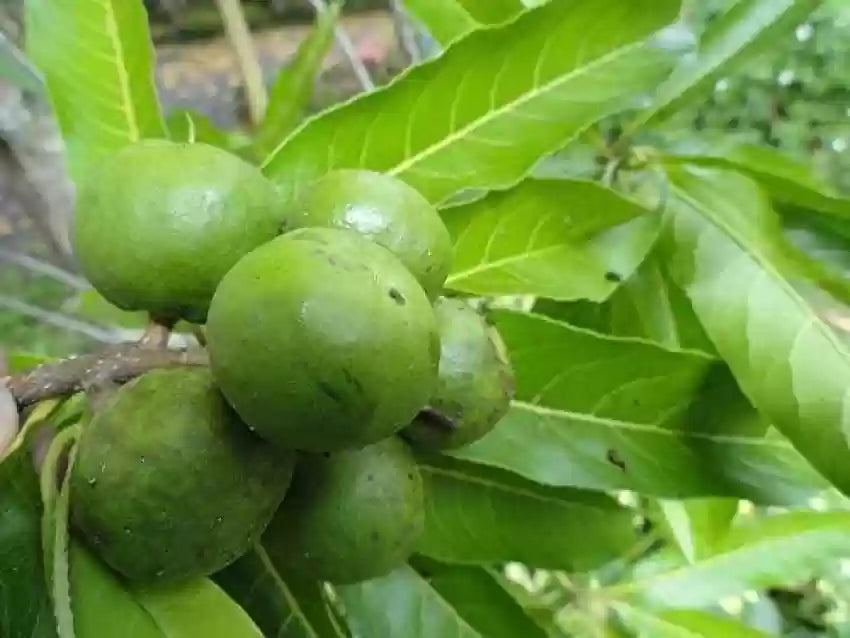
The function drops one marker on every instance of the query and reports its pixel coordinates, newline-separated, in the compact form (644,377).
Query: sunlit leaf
(471,119)
(448,20)
(603,413)
(769,552)
(679,623)
(97,59)
(542,238)
(749,297)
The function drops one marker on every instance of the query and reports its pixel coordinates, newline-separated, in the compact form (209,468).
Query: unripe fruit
(474,385)
(349,516)
(162,222)
(322,340)
(168,484)
(387,211)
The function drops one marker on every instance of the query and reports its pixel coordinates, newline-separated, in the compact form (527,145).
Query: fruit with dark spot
(387,211)
(349,517)
(475,382)
(169,484)
(317,354)
(162,222)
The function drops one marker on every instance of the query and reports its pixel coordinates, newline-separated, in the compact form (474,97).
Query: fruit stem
(156,335)
(116,364)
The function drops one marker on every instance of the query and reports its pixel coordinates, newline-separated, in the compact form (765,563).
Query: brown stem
(156,334)
(118,363)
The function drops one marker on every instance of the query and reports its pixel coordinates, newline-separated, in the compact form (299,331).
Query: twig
(239,35)
(405,32)
(118,363)
(59,320)
(44,268)
(348,48)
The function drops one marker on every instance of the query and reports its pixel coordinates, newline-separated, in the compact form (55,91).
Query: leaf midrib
(650,429)
(123,77)
(292,602)
(767,266)
(510,489)
(470,128)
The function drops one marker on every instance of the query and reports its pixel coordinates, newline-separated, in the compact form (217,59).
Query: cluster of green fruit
(327,339)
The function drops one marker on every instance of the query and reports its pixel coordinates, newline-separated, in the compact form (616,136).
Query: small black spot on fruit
(613,276)
(396,296)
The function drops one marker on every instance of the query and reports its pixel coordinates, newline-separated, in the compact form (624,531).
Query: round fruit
(168,484)
(162,222)
(350,516)
(322,340)
(387,211)
(474,386)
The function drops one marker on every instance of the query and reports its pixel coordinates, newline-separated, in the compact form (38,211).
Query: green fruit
(322,340)
(474,386)
(168,484)
(387,211)
(163,222)
(350,516)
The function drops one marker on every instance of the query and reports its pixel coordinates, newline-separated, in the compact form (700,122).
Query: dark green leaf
(542,238)
(472,119)
(683,624)
(281,605)
(480,515)
(773,551)
(402,604)
(20,361)
(604,413)
(480,599)
(96,57)
(787,359)
(749,27)
(25,610)
(293,88)
(786,180)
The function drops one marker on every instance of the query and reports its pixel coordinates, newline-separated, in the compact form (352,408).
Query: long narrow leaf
(474,119)
(96,57)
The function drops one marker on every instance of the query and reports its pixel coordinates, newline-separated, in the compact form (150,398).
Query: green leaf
(480,599)
(786,180)
(281,605)
(542,238)
(187,125)
(480,515)
(199,609)
(446,20)
(102,605)
(679,623)
(402,604)
(790,363)
(54,525)
(105,606)
(697,524)
(472,119)
(770,552)
(20,361)
(96,58)
(25,610)
(747,28)
(449,20)
(293,88)
(604,413)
